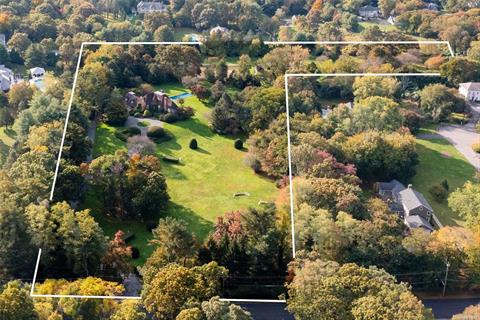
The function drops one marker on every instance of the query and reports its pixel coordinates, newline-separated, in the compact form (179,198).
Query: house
(470,90)
(218,30)
(391,20)
(408,203)
(37,72)
(369,12)
(7,78)
(3,40)
(149,7)
(157,101)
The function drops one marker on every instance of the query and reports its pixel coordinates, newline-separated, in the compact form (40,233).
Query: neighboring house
(7,78)
(149,7)
(391,20)
(154,101)
(3,40)
(408,203)
(470,90)
(218,30)
(37,72)
(369,12)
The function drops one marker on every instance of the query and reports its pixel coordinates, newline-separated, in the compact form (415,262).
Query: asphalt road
(442,308)
(446,308)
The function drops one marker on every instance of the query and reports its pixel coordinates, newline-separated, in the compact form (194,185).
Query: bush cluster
(124,133)
(238,144)
(193,144)
(158,134)
(438,192)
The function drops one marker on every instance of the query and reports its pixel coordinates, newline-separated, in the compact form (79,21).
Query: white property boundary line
(291,75)
(72,94)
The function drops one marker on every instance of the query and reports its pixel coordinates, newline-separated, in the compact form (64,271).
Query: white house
(7,78)
(148,7)
(369,12)
(470,90)
(37,72)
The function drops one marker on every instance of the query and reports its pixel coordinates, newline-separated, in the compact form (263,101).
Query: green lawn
(201,187)
(434,167)
(7,139)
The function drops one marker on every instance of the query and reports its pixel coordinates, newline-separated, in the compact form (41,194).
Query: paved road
(267,311)
(132,122)
(442,308)
(446,308)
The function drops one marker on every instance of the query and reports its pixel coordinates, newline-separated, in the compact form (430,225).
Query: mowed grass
(7,139)
(434,167)
(201,187)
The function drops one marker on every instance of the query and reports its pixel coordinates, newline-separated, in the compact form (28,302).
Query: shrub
(445,185)
(124,133)
(141,145)
(135,253)
(238,144)
(476,147)
(147,113)
(143,123)
(170,159)
(158,134)
(168,117)
(460,118)
(137,114)
(193,144)
(438,192)
(253,162)
(151,224)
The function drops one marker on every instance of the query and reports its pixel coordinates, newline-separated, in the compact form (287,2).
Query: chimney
(410,186)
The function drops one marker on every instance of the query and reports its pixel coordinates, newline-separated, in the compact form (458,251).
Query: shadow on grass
(195,126)
(200,150)
(195,224)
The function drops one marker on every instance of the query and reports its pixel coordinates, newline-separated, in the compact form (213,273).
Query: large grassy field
(201,187)
(434,167)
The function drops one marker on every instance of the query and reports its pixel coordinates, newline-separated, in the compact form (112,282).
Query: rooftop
(474,86)
(413,199)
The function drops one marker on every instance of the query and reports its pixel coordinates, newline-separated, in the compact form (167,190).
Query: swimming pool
(181,96)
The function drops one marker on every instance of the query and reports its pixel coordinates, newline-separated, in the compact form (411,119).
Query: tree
(95,309)
(438,101)
(326,290)
(169,288)
(35,56)
(365,87)
(458,70)
(221,70)
(264,104)
(163,33)
(72,237)
(19,98)
(466,202)
(15,246)
(90,78)
(129,310)
(115,112)
(19,42)
(216,309)
(16,303)
(474,51)
(173,244)
(386,7)
(377,113)
(276,62)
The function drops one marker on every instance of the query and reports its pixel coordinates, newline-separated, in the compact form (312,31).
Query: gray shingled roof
(416,221)
(413,199)
(471,86)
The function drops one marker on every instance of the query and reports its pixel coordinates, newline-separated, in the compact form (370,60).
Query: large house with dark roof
(157,102)
(410,204)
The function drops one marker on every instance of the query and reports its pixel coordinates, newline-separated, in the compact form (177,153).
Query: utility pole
(446,278)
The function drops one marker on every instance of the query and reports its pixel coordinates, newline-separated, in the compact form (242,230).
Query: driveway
(133,122)
(462,137)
